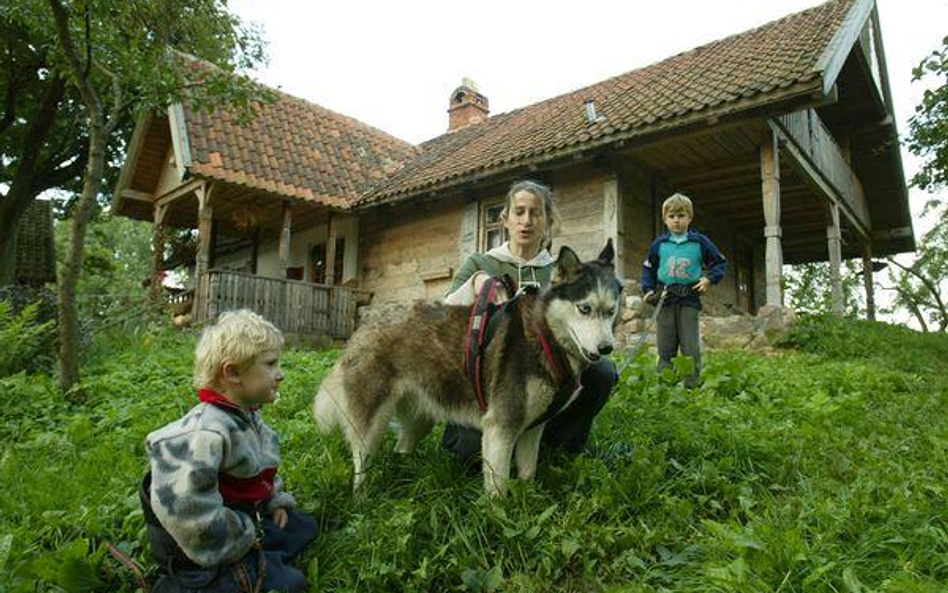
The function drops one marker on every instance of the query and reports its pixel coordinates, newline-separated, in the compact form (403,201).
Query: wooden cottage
(784,136)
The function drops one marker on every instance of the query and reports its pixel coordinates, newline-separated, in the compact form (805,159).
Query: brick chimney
(467,106)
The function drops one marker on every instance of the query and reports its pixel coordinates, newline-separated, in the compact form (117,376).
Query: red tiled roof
(742,71)
(35,250)
(295,148)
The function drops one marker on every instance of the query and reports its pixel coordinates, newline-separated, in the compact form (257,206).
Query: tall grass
(821,468)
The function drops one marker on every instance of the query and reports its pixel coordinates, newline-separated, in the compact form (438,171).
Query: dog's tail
(327,405)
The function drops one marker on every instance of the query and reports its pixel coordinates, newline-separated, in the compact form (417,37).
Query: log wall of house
(410,251)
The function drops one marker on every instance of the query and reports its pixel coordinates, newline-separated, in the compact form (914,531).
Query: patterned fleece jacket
(216,457)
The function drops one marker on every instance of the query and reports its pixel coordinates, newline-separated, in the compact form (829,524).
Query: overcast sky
(394,64)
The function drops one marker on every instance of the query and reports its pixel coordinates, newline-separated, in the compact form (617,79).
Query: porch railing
(807,132)
(295,307)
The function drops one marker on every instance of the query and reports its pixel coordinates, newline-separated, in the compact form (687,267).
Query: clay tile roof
(35,251)
(295,148)
(739,72)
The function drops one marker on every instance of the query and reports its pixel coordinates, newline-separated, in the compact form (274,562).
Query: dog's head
(583,302)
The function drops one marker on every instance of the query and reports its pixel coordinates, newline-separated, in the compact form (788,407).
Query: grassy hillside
(821,468)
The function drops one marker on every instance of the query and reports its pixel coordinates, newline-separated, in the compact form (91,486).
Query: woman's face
(526,222)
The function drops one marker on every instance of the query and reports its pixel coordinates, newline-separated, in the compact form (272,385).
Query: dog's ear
(608,254)
(568,266)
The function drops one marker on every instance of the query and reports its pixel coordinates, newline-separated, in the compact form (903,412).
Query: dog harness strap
(481,312)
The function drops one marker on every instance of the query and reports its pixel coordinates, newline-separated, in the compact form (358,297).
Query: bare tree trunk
(72,266)
(99,131)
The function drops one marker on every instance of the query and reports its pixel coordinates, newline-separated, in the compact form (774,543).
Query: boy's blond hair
(677,202)
(238,336)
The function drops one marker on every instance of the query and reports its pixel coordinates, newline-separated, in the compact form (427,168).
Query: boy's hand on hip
(702,286)
(279,517)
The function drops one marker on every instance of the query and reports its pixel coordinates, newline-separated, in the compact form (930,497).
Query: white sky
(394,64)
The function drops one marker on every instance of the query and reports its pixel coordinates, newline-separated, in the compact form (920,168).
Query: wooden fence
(295,307)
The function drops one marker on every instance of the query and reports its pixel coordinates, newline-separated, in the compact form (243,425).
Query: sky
(394,64)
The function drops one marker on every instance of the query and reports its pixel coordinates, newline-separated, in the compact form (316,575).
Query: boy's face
(258,383)
(677,221)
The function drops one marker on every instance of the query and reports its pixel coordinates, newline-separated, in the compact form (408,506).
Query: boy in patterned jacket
(682,263)
(217,515)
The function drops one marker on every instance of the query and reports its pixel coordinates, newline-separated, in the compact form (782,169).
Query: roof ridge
(694,50)
(337,115)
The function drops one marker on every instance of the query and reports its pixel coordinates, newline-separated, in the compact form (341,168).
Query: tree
(42,142)
(809,290)
(119,57)
(920,286)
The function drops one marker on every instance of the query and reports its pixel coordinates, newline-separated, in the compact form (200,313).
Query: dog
(412,366)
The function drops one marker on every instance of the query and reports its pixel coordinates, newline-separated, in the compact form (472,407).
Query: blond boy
(217,515)
(683,264)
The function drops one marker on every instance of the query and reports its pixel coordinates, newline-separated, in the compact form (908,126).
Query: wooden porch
(296,307)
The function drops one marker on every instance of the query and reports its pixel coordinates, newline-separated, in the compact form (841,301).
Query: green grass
(821,468)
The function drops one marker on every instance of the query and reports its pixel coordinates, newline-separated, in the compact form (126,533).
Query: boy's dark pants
(279,547)
(678,328)
(568,431)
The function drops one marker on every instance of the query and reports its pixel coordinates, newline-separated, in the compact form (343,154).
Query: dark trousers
(279,546)
(678,329)
(568,431)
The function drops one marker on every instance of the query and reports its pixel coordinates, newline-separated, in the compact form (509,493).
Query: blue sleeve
(714,260)
(650,269)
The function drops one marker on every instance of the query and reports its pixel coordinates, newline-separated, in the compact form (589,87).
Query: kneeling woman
(528,216)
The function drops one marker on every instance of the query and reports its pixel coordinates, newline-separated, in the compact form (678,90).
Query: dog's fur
(412,366)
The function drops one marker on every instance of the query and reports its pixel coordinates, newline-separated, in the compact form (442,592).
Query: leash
(651,323)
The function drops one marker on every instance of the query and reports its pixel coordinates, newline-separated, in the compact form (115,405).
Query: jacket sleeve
(462,289)
(186,499)
(650,269)
(714,260)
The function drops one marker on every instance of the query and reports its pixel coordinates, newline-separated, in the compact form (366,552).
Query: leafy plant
(25,341)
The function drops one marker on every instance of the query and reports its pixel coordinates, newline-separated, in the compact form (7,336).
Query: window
(492,226)
(319,256)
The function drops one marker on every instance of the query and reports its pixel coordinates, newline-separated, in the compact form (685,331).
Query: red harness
(480,330)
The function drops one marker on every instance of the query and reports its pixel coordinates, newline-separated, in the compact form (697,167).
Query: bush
(26,343)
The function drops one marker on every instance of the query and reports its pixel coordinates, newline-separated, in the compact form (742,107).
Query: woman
(528,217)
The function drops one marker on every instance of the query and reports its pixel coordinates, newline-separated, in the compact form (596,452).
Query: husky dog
(413,366)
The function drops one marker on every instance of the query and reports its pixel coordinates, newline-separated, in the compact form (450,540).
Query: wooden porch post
(285,235)
(331,251)
(158,250)
(612,222)
(202,263)
(868,283)
(833,240)
(770,187)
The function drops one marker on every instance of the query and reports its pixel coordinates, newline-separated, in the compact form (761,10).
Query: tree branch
(931,286)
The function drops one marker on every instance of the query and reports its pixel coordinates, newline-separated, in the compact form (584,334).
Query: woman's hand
(702,285)
(279,517)
(500,295)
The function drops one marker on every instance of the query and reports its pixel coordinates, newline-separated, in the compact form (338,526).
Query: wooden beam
(285,236)
(331,251)
(612,222)
(868,281)
(202,263)
(184,189)
(158,251)
(770,188)
(834,246)
(139,196)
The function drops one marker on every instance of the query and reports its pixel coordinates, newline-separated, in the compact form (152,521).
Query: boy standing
(683,263)
(217,516)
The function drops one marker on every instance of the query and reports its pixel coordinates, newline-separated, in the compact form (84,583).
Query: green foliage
(25,342)
(928,128)
(809,289)
(820,468)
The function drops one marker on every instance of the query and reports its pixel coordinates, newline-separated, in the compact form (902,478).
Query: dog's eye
(584,308)
(612,311)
